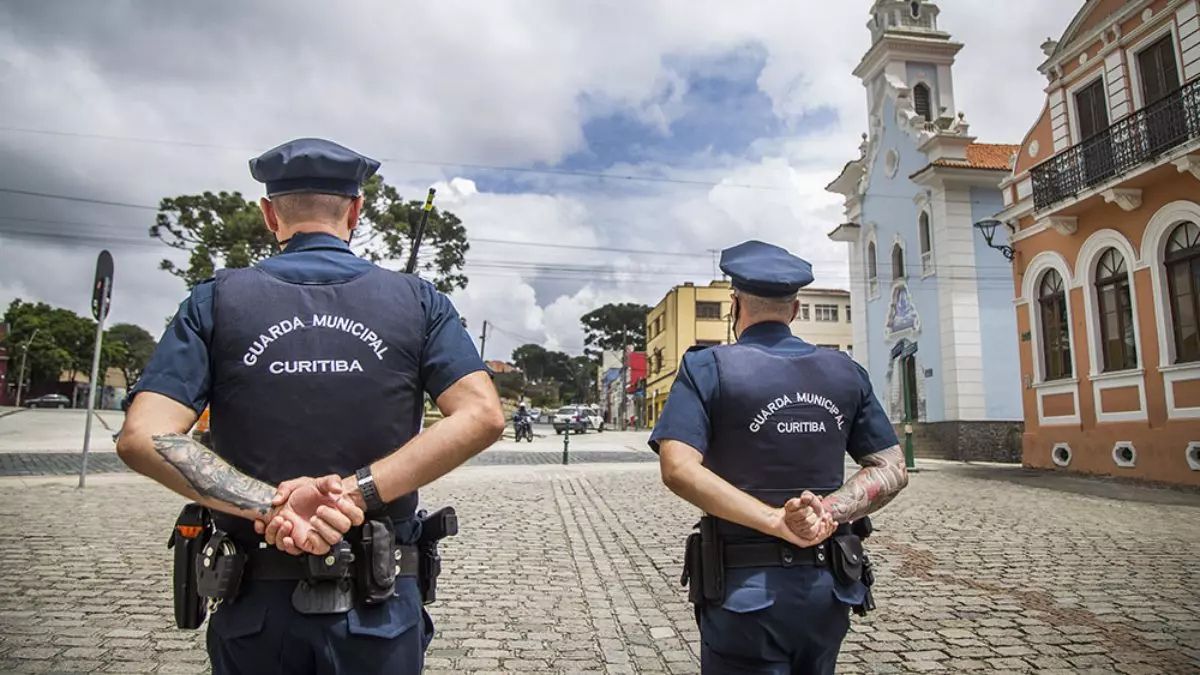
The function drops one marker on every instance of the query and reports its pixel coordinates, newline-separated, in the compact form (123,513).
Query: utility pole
(483,340)
(715,252)
(24,355)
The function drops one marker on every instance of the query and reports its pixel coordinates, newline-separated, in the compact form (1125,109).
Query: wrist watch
(370,495)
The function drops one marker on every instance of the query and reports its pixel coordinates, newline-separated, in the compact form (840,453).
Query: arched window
(1117,343)
(1183,281)
(922,101)
(898,262)
(1056,330)
(926,238)
(872,269)
(915,8)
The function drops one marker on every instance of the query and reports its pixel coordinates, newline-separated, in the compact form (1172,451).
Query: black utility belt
(709,555)
(211,566)
(269,564)
(773,554)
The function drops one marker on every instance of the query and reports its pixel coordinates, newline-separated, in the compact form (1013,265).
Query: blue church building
(936,330)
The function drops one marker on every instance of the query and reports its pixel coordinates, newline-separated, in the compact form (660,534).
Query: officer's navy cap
(312,165)
(765,270)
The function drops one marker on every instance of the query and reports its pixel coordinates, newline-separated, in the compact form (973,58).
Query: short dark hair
(308,206)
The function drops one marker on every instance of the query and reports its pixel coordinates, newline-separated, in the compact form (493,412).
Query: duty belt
(773,554)
(269,564)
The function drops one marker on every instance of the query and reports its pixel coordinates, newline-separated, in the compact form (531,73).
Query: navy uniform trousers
(777,621)
(261,634)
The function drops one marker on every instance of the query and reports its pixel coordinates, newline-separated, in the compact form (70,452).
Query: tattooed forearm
(211,476)
(882,477)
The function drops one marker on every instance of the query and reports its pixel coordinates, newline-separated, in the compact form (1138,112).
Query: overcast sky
(750,107)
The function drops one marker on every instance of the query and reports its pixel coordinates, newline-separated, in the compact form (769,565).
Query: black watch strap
(366,485)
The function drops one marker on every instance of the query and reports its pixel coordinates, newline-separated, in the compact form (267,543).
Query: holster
(434,527)
(192,528)
(704,564)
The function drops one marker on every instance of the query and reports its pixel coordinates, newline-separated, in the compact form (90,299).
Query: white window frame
(1042,263)
(1135,69)
(928,268)
(872,281)
(1073,103)
(1085,278)
(817,307)
(903,276)
(1154,254)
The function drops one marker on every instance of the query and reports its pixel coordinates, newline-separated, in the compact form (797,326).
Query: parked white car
(594,417)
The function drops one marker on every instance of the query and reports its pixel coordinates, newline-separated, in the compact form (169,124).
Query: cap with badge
(765,270)
(312,165)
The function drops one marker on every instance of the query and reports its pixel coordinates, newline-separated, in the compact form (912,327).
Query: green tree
(221,229)
(226,230)
(533,360)
(614,326)
(390,224)
(132,347)
(59,341)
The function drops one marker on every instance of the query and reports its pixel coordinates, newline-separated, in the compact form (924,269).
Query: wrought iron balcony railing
(1141,137)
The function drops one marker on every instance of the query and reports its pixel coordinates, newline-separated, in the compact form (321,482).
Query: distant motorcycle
(523,428)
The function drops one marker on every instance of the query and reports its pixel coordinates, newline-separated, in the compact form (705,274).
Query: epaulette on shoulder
(697,348)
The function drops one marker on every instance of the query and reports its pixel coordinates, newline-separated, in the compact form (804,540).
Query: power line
(417,162)
(914,267)
(86,200)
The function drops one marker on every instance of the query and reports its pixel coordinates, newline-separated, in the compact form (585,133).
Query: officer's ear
(795,310)
(269,216)
(353,212)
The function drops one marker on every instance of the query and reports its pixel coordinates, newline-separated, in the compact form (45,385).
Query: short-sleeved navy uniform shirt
(687,415)
(180,368)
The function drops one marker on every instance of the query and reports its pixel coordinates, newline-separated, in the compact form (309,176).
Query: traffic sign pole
(101,299)
(91,404)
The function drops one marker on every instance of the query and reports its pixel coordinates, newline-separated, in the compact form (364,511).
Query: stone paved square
(576,569)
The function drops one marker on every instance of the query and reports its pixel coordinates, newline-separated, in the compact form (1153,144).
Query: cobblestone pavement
(575,569)
(67,463)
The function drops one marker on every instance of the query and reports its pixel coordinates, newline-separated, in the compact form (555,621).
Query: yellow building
(824,319)
(693,315)
(689,315)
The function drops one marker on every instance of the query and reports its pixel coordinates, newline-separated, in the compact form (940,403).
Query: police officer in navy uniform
(755,434)
(315,364)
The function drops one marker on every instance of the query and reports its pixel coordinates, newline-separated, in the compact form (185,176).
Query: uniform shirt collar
(765,333)
(311,241)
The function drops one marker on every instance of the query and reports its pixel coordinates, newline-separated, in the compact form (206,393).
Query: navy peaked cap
(312,165)
(765,270)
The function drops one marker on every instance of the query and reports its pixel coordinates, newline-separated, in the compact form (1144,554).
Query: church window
(898,262)
(923,102)
(926,244)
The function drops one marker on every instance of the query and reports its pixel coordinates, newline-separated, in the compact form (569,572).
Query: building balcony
(1146,137)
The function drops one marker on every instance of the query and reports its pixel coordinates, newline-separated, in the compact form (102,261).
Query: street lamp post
(988,228)
(24,356)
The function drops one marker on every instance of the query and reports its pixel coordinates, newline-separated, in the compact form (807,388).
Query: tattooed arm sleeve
(880,479)
(154,442)
(212,477)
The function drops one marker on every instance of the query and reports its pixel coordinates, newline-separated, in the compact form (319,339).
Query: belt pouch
(376,567)
(847,558)
(327,587)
